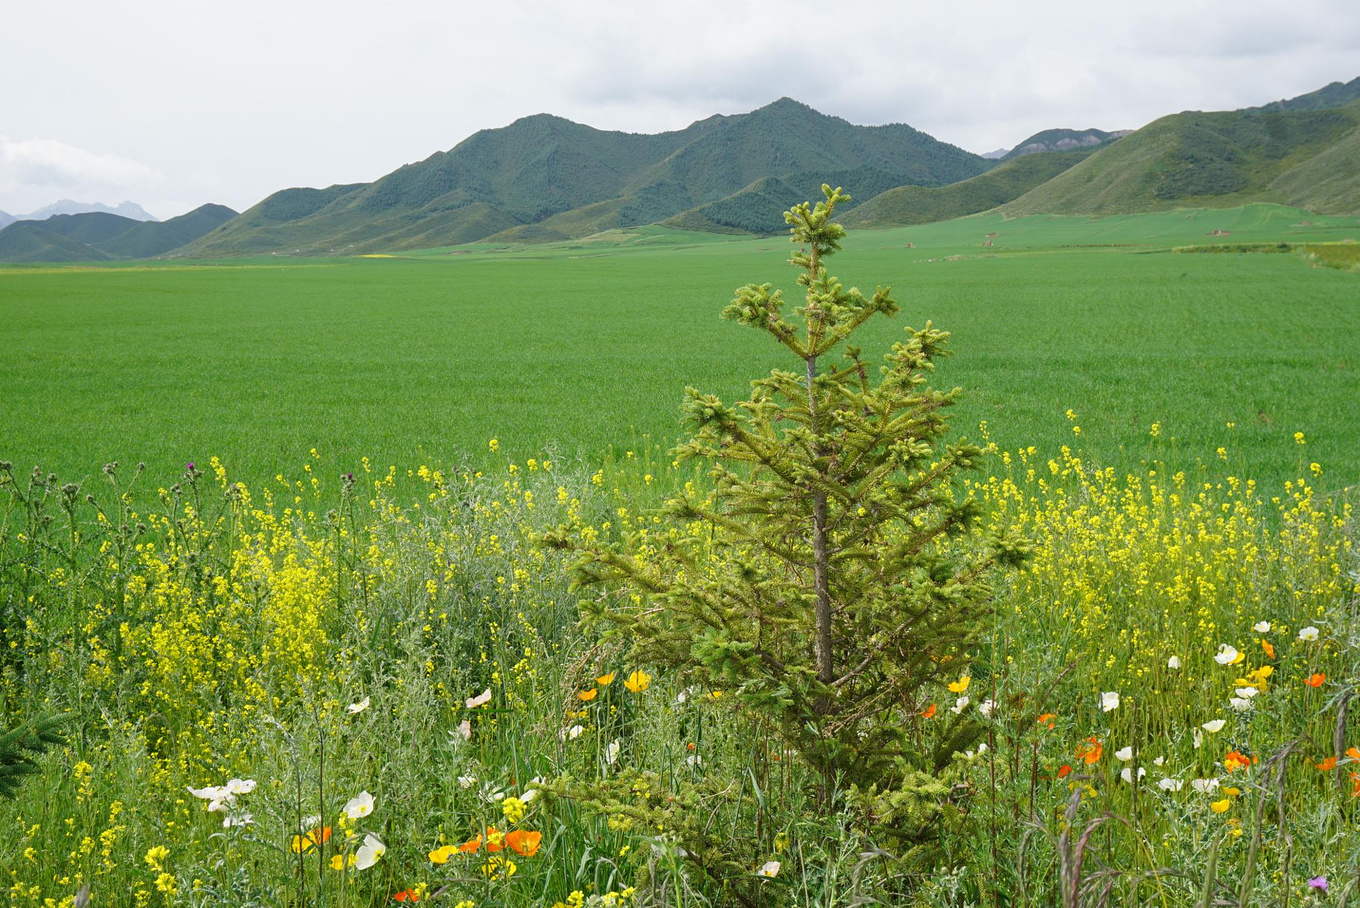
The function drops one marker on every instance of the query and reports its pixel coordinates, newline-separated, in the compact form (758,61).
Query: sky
(174,104)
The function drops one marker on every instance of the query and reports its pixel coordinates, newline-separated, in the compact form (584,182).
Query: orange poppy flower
(1091,751)
(588,695)
(1327,765)
(1353,753)
(471,845)
(1064,771)
(928,712)
(302,844)
(495,839)
(1234,761)
(406,895)
(1047,719)
(1270,650)
(1316,679)
(524,842)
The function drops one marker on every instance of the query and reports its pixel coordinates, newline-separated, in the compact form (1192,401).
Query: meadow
(318,653)
(575,348)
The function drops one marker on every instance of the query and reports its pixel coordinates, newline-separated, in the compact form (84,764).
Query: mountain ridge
(102,236)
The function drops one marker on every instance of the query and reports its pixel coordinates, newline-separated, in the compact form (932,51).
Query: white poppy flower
(481,699)
(356,708)
(1247,692)
(611,753)
(1241,704)
(1308,634)
(694,760)
(1174,663)
(210,792)
(466,782)
(1127,773)
(1109,701)
(1124,753)
(1227,654)
(528,795)
(1172,785)
(1213,726)
(1160,761)
(571,734)
(465,730)
(769,869)
(986,707)
(959,705)
(1199,738)
(369,853)
(1204,786)
(360,806)
(1261,627)
(240,786)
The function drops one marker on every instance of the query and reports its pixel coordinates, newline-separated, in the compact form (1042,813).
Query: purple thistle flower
(189,465)
(1318,882)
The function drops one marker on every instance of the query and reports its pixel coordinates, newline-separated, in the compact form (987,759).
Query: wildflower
(605,680)
(638,681)
(240,786)
(471,845)
(1064,771)
(1241,704)
(360,806)
(1353,752)
(1298,438)
(466,782)
(928,712)
(339,862)
(302,844)
(1213,726)
(1308,634)
(693,760)
(1174,663)
(1246,693)
(165,882)
(1269,649)
(611,753)
(1204,786)
(442,854)
(1220,806)
(1091,751)
(465,730)
(480,700)
(1170,784)
(769,869)
(217,796)
(1319,883)
(355,708)
(571,734)
(986,707)
(1109,701)
(959,706)
(1228,655)
(494,445)
(961,685)
(1124,754)
(499,866)
(1327,765)
(588,695)
(513,809)
(1261,627)
(237,819)
(1234,760)
(495,839)
(408,895)
(369,853)
(1316,679)
(155,857)
(1047,719)
(1127,773)
(523,842)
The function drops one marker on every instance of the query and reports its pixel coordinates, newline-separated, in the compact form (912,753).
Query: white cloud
(34,172)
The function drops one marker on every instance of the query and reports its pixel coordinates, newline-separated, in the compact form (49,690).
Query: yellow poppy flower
(588,695)
(605,680)
(960,685)
(638,681)
(1220,806)
(442,855)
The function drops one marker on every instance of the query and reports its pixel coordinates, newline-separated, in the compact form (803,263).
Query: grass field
(573,348)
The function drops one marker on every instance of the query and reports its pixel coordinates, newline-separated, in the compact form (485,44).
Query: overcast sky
(173,104)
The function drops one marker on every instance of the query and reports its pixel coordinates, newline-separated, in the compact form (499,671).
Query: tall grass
(329,634)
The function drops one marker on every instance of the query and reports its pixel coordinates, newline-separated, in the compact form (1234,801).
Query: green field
(572,348)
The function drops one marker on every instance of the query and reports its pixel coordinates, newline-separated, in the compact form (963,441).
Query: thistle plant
(829,574)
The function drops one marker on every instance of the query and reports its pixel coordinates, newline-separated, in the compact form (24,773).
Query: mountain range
(544,178)
(94,236)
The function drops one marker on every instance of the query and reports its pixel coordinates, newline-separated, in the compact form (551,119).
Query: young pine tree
(828,578)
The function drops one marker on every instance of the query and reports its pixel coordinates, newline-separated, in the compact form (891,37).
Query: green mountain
(1214,159)
(99,236)
(925,204)
(1337,94)
(6,220)
(1063,140)
(546,178)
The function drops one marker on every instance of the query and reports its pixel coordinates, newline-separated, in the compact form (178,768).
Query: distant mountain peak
(130,210)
